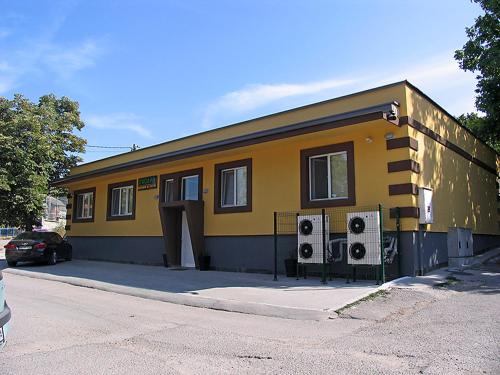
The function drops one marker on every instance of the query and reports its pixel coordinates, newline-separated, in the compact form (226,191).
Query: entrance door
(187,257)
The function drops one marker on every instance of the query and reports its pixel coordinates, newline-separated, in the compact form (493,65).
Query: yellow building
(216,192)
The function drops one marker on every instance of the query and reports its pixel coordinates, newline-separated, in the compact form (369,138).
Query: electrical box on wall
(425,206)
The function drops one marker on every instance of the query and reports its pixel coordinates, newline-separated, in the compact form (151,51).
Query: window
(189,189)
(168,190)
(184,185)
(327,176)
(233,185)
(84,205)
(121,201)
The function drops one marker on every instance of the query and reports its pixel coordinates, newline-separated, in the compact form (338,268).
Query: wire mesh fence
(359,243)
(9,232)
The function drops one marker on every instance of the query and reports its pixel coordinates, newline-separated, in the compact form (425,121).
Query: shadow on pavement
(180,281)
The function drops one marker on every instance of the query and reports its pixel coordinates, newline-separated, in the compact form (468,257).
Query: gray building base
(420,252)
(140,250)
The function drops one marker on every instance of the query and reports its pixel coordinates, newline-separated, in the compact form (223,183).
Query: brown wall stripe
(399,189)
(433,135)
(402,143)
(403,165)
(410,211)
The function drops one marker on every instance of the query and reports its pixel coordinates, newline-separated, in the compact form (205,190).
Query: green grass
(380,293)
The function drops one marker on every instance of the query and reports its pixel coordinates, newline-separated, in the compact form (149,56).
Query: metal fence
(9,232)
(334,260)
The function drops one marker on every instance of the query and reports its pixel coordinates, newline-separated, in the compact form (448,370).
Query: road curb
(251,308)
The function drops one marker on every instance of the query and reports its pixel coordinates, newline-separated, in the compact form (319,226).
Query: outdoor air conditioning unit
(310,238)
(363,238)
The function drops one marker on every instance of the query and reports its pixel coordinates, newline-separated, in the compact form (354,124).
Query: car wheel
(11,263)
(52,258)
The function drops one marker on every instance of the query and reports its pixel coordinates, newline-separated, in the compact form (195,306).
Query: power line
(131,148)
(127,147)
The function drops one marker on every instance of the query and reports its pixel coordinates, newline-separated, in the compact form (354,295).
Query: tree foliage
(481,53)
(37,145)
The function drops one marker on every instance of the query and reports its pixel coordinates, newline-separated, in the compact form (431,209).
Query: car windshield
(34,236)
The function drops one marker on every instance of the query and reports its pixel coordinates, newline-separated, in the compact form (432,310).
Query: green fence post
(382,261)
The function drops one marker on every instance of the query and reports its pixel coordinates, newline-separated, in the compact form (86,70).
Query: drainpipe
(421,231)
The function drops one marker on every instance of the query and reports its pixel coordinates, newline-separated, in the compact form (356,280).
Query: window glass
(33,236)
(241,186)
(115,202)
(79,205)
(338,175)
(319,177)
(122,201)
(328,176)
(190,188)
(130,205)
(227,187)
(234,187)
(169,190)
(84,204)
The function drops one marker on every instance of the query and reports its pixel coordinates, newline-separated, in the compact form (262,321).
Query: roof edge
(382,111)
(256,119)
(453,118)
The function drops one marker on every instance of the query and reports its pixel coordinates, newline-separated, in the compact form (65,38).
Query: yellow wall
(420,109)
(464,193)
(276,183)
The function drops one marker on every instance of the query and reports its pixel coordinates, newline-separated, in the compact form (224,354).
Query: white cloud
(4,33)
(66,61)
(42,56)
(437,76)
(437,72)
(118,121)
(257,95)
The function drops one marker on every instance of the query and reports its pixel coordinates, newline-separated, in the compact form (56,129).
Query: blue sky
(149,71)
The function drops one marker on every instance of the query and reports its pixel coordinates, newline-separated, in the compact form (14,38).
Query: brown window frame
(218,209)
(110,217)
(177,178)
(75,218)
(305,154)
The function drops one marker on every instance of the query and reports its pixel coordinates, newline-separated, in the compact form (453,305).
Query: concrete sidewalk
(228,291)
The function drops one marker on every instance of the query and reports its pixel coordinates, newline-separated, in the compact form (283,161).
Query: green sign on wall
(145,183)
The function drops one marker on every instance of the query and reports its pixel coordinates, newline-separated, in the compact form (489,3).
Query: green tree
(37,145)
(481,53)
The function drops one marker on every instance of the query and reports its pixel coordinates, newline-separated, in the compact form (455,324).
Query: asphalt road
(63,329)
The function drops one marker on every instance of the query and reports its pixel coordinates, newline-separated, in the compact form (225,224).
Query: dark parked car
(46,247)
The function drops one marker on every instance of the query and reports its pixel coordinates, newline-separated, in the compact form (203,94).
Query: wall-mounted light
(389,135)
(369,139)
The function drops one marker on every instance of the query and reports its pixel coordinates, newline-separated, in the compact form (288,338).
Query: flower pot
(291,267)
(204,262)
